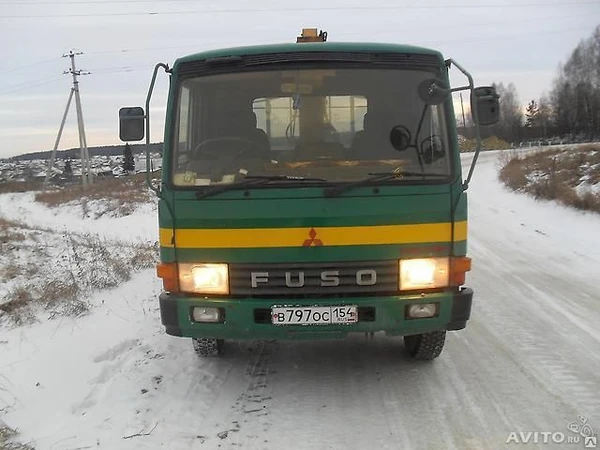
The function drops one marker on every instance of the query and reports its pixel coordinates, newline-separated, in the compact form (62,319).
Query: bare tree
(544,114)
(575,96)
(511,117)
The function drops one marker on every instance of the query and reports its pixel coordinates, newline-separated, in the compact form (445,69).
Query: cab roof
(354,47)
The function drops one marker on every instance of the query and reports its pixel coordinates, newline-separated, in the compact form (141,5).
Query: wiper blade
(405,173)
(378,177)
(251,180)
(281,178)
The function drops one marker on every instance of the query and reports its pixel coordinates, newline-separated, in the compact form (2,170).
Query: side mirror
(400,138)
(131,124)
(486,102)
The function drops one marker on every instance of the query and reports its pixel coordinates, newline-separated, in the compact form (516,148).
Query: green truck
(310,190)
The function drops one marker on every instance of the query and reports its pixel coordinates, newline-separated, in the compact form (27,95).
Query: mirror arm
(471,86)
(147,118)
(461,88)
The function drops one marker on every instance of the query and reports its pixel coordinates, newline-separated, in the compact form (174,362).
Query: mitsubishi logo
(313,241)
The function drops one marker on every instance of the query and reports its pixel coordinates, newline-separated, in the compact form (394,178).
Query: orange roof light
(312,35)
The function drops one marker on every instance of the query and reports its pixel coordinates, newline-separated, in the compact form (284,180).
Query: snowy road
(528,361)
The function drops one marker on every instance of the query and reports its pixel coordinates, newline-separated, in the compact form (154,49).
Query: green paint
(306,207)
(312,254)
(239,313)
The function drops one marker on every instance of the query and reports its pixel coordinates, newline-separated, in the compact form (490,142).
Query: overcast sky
(518,41)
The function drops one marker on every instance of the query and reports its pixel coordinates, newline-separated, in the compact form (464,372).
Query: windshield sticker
(184,179)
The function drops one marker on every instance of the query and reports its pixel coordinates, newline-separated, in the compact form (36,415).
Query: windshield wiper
(251,180)
(378,178)
(281,177)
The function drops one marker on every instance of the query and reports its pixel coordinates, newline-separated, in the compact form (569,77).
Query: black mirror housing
(400,138)
(131,124)
(485,101)
(433,91)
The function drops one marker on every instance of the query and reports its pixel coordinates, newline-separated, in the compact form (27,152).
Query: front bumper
(250,318)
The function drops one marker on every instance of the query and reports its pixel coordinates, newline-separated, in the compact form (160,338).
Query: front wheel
(207,347)
(426,346)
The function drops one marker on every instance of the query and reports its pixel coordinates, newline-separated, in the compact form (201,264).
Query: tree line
(74,153)
(570,111)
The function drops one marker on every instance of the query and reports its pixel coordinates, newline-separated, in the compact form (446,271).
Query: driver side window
(184,126)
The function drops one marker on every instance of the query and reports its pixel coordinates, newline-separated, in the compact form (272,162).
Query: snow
(527,361)
(47,248)
(574,153)
(584,187)
(142,225)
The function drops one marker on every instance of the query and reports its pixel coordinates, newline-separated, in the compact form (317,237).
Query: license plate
(313,315)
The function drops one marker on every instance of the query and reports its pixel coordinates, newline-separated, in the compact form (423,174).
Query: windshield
(333,124)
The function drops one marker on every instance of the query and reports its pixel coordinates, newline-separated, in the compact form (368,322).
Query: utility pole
(86,175)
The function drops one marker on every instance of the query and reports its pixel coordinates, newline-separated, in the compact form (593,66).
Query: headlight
(204,278)
(424,273)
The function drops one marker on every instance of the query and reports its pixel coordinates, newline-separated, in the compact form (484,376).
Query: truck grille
(313,279)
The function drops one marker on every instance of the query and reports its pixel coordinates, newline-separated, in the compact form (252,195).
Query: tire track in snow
(544,340)
(334,394)
(244,421)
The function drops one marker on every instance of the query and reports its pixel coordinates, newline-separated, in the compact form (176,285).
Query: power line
(221,44)
(15,69)
(110,69)
(495,38)
(259,41)
(44,81)
(173,47)
(31,83)
(303,9)
(128,69)
(30,86)
(87,2)
(496,5)
(122,70)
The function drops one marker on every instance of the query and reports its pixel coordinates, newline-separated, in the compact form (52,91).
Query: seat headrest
(243,119)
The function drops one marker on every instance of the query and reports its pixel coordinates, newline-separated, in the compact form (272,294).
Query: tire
(426,346)
(208,347)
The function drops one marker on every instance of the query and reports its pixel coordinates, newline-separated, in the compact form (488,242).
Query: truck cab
(310,190)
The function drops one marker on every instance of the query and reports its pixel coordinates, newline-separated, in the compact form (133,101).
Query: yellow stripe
(295,237)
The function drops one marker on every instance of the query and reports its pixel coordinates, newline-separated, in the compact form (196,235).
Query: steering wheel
(215,151)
